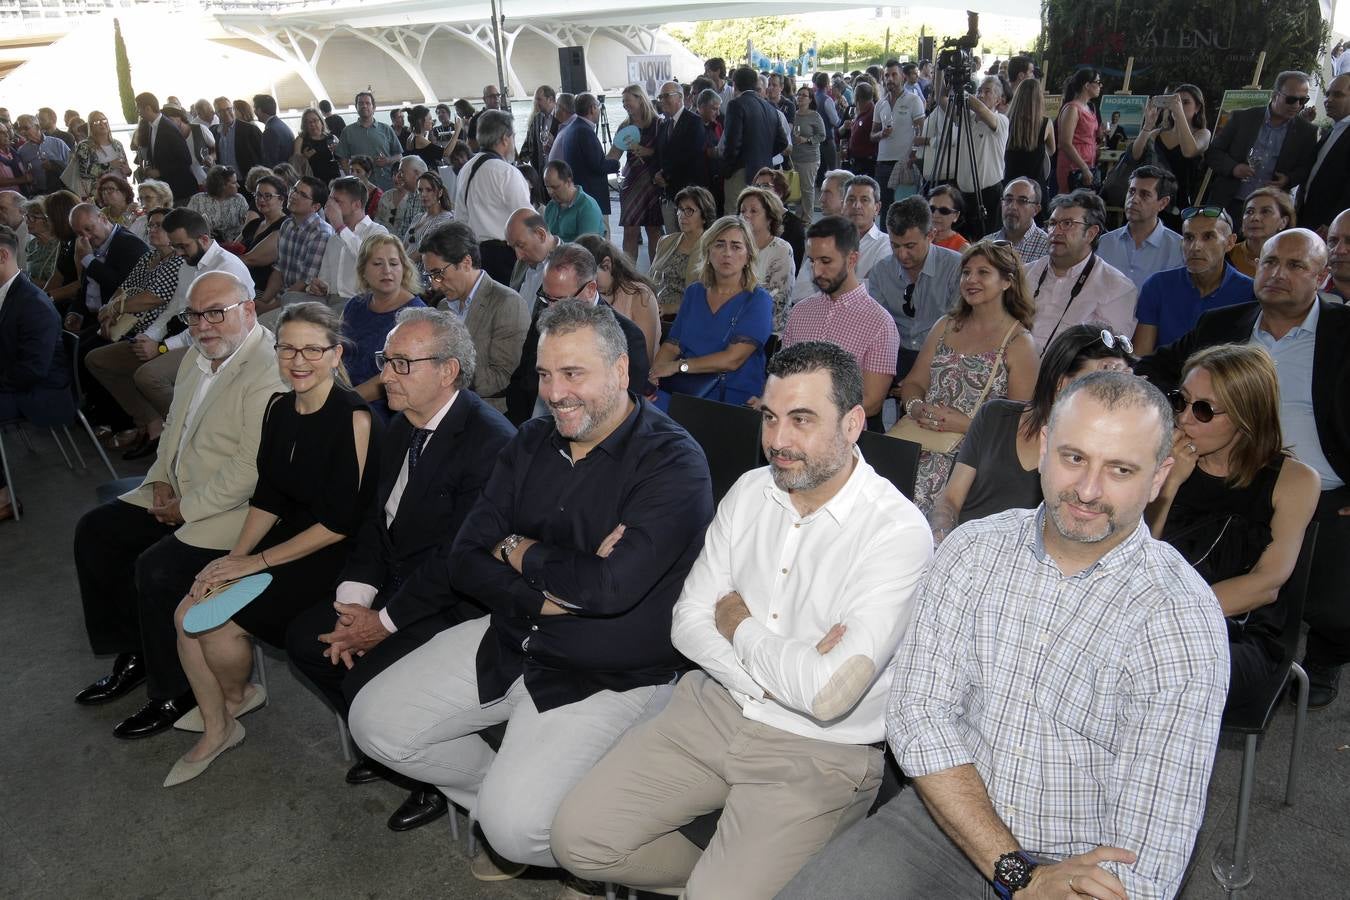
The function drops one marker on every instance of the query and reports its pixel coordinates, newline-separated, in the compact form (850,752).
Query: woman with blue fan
(310,498)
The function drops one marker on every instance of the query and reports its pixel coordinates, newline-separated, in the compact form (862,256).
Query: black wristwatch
(1012,872)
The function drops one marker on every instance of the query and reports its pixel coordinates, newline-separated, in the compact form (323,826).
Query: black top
(307,466)
(1033,164)
(649,475)
(794,232)
(254,233)
(1188,171)
(431,154)
(990,448)
(334,124)
(323,163)
(1222,531)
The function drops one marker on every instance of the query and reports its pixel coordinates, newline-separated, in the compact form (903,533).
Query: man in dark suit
(752,136)
(680,142)
(1307,337)
(165,151)
(569,274)
(394,593)
(578,146)
(238,144)
(1328,189)
(34,371)
(108,253)
(1270,144)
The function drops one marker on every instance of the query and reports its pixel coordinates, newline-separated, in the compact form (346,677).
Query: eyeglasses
(1209,212)
(671,94)
(545,299)
(1065,224)
(212,316)
(296,192)
(686,211)
(260,195)
(36,217)
(436,276)
(1111,340)
(1201,409)
(313,354)
(1295,101)
(1009,200)
(400,364)
(942,210)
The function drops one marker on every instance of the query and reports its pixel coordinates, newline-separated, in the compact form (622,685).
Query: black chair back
(1253,713)
(894,459)
(729,436)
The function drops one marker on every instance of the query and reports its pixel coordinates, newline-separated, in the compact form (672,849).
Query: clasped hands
(164,505)
(1078,877)
(938,417)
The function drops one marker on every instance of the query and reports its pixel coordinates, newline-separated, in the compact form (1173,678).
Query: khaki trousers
(782,797)
(731,190)
(143,389)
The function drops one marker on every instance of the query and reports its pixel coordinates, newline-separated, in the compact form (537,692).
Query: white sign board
(650,71)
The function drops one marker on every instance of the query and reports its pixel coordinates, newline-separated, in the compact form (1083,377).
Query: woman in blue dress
(389,282)
(715,348)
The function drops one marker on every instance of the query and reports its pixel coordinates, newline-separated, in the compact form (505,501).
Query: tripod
(958,139)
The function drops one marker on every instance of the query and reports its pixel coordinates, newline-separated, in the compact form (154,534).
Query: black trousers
(1327,611)
(883,175)
(498,261)
(338,684)
(133,573)
(1250,670)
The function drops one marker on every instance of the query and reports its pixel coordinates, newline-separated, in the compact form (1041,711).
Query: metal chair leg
(260,668)
(97,446)
(27,441)
(454,822)
(472,839)
(62,447)
(1300,720)
(1231,868)
(610,893)
(344,739)
(9,479)
(75,447)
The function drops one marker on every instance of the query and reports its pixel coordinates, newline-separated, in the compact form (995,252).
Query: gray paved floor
(83,814)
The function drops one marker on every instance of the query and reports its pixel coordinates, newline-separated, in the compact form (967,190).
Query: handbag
(125,321)
(70,176)
(794,185)
(947,441)
(1117,182)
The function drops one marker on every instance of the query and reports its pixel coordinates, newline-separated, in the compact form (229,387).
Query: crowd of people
(404,369)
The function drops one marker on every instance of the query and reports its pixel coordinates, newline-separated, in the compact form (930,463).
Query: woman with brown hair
(675,262)
(115,199)
(1236,503)
(715,349)
(981,350)
(99,153)
(1267,212)
(65,281)
(1031,136)
(639,197)
(624,288)
(774,266)
(1179,135)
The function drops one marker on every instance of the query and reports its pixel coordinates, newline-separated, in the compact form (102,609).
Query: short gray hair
(866,181)
(575,257)
(416,163)
(1117,390)
(567,316)
(706,96)
(450,338)
(493,125)
(841,175)
(1094,210)
(1290,75)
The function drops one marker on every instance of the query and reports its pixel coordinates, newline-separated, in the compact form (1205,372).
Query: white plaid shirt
(1089,705)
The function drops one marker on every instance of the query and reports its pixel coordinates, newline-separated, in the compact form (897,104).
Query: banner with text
(650,71)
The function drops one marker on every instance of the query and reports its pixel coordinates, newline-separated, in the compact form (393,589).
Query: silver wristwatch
(508,546)
(684,366)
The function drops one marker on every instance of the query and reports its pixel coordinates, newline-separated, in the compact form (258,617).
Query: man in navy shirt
(578,547)
(1171,301)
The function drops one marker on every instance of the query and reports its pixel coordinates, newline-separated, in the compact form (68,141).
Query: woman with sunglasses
(310,498)
(947,206)
(1079,132)
(1236,503)
(388,281)
(98,154)
(996,467)
(980,351)
(1266,213)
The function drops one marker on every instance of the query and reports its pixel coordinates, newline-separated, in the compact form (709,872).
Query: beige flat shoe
(254,697)
(488,866)
(185,770)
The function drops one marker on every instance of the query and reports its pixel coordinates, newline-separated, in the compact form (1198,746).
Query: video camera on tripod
(954,56)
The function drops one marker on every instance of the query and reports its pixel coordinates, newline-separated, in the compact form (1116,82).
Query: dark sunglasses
(1113,340)
(942,210)
(1295,101)
(1201,409)
(1209,212)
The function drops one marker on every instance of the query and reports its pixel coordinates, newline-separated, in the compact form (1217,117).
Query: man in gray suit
(496,316)
(1268,145)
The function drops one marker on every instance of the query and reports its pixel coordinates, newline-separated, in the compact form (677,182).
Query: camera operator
(972,152)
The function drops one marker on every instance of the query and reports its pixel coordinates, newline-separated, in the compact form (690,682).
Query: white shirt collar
(435,421)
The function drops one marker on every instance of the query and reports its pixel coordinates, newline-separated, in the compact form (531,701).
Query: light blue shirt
(1293,355)
(1161,251)
(933,295)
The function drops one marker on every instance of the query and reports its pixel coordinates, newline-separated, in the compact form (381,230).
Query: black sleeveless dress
(254,233)
(1222,531)
(308,474)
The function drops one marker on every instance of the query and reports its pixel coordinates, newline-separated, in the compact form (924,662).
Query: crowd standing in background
(402,365)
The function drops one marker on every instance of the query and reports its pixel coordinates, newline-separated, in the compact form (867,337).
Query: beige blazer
(218,469)
(498,320)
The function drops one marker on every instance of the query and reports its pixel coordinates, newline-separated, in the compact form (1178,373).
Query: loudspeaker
(572,65)
(926,48)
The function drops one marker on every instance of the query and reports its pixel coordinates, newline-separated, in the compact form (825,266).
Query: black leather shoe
(364,771)
(128,671)
(1323,685)
(422,806)
(146,446)
(154,717)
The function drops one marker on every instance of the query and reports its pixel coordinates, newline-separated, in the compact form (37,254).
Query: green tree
(124,90)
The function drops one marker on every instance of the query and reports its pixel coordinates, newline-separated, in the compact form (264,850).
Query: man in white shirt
(490,189)
(793,611)
(896,120)
(346,212)
(1073,285)
(980,177)
(862,202)
(1144,245)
